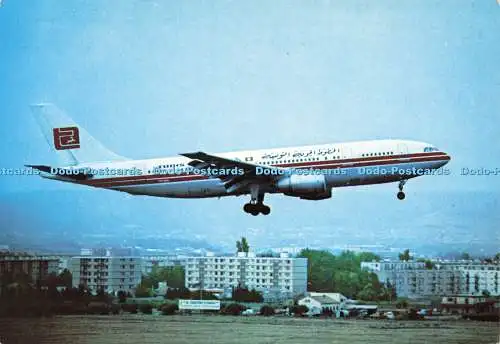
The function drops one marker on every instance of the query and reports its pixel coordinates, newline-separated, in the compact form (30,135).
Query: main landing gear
(256,204)
(256,208)
(401,195)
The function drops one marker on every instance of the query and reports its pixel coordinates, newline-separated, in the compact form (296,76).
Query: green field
(129,328)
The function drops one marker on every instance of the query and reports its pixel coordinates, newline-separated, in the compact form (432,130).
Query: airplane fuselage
(342,164)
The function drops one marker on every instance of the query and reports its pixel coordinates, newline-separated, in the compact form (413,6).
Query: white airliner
(306,172)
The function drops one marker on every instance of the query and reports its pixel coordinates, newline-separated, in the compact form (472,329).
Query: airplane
(305,172)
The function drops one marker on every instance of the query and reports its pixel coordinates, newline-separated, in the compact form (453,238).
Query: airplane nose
(447,157)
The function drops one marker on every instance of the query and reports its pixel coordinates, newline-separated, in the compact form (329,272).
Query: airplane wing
(232,182)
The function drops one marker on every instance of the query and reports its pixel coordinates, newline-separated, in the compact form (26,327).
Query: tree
(429,264)
(486,293)
(405,256)
(173,275)
(65,279)
(391,291)
(368,257)
(242,246)
(142,291)
(343,274)
(465,256)
(122,296)
(369,293)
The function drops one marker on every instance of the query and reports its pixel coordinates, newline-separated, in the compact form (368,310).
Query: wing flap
(232,183)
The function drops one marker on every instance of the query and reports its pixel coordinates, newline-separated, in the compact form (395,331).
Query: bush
(146,308)
(115,309)
(233,309)
(299,310)
(131,308)
(101,308)
(245,295)
(266,310)
(402,303)
(169,309)
(413,315)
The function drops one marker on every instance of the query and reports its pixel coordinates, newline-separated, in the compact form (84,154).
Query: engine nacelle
(308,186)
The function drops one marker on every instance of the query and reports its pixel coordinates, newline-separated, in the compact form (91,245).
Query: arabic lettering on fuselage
(326,151)
(281,155)
(298,154)
(275,155)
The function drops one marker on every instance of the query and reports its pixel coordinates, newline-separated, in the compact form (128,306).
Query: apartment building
(37,267)
(282,275)
(415,280)
(112,274)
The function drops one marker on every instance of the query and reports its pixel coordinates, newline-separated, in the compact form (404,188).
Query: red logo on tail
(66,138)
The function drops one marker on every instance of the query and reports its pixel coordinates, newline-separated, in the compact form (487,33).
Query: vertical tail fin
(72,143)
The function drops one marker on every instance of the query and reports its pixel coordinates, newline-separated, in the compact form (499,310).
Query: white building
(109,273)
(284,275)
(319,303)
(337,297)
(414,280)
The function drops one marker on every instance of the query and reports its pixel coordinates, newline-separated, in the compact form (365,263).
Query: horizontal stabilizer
(67,173)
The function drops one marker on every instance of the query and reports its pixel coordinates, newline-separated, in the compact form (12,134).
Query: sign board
(213,305)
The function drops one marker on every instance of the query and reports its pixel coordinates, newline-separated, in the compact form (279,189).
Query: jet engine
(311,187)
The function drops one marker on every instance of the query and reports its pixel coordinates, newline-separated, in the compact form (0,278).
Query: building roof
(323,299)
(336,297)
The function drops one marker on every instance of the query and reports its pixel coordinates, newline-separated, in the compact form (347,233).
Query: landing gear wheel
(256,209)
(256,204)
(401,195)
(265,210)
(247,208)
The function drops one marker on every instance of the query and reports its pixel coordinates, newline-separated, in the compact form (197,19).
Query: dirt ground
(129,328)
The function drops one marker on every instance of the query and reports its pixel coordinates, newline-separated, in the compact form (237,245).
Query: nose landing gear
(401,195)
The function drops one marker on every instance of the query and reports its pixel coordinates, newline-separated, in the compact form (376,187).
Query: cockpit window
(430,149)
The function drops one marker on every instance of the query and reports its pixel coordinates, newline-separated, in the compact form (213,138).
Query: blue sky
(156,78)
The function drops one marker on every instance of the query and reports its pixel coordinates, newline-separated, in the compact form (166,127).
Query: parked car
(422,312)
(389,315)
(248,311)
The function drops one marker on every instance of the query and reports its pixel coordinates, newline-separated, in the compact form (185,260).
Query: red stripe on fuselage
(327,164)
